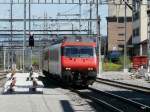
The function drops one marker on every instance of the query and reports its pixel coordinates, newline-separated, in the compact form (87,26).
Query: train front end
(79,63)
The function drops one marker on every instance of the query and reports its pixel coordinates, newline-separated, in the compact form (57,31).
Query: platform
(22,75)
(53,99)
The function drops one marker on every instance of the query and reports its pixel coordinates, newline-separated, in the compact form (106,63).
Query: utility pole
(148,38)
(80,16)
(45,23)
(31,56)
(125,35)
(4,51)
(90,29)
(39,55)
(11,27)
(98,38)
(125,31)
(72,27)
(8,59)
(30,27)
(29,16)
(125,38)
(24,36)
(20,61)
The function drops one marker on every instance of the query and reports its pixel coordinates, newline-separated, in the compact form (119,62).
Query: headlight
(90,68)
(68,68)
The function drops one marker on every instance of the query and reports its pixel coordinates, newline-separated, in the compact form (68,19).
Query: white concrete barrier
(23,83)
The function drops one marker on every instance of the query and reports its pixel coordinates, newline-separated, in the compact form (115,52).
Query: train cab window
(71,51)
(86,52)
(78,51)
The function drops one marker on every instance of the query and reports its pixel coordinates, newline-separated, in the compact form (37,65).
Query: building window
(111,19)
(120,27)
(136,32)
(135,16)
(129,19)
(121,34)
(120,20)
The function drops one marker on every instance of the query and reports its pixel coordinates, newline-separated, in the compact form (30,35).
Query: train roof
(79,44)
(79,41)
(74,41)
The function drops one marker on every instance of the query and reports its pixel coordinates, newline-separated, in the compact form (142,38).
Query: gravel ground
(125,78)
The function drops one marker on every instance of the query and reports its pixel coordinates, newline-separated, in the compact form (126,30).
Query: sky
(52,11)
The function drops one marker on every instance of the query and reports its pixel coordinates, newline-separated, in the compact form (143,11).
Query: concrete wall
(140,23)
(118,10)
(144,23)
(115,29)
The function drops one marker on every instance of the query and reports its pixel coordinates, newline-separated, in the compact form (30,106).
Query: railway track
(98,101)
(128,91)
(124,85)
(111,102)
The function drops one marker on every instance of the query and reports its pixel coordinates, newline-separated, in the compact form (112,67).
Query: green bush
(109,66)
(34,61)
(121,61)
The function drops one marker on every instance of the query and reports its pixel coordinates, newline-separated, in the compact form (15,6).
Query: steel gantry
(27,29)
(58,1)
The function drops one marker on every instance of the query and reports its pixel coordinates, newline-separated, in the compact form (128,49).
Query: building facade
(116,26)
(140,23)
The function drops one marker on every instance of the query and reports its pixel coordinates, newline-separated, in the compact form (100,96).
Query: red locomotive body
(79,63)
(74,62)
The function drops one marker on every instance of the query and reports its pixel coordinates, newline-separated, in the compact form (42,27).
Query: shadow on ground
(49,82)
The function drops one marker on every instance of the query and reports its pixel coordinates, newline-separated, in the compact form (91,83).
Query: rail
(140,106)
(111,102)
(103,103)
(124,85)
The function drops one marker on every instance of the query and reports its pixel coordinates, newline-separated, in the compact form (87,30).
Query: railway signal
(31,44)
(31,40)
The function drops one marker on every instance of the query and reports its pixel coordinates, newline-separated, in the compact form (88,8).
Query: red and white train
(73,62)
